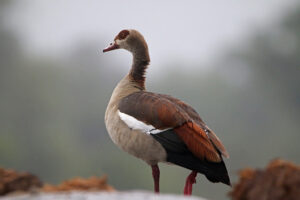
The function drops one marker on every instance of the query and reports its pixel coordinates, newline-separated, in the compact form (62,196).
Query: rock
(21,182)
(91,184)
(12,181)
(278,181)
(79,195)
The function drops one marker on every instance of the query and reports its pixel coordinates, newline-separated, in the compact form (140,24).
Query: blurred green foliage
(52,109)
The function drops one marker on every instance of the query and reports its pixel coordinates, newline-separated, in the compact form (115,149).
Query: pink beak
(112,46)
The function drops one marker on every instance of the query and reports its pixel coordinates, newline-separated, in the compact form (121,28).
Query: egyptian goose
(157,127)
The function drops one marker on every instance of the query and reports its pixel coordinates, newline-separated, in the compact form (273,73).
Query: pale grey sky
(189,31)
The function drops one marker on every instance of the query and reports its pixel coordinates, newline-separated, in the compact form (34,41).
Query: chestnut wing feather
(163,112)
(195,116)
(153,109)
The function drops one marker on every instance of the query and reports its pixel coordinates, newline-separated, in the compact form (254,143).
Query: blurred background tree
(52,107)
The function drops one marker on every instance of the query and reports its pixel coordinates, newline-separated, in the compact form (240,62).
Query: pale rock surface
(78,195)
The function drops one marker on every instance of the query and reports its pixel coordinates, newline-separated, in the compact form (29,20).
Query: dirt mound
(92,183)
(12,181)
(279,180)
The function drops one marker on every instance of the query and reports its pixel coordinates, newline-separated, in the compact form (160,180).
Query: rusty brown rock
(12,181)
(280,180)
(90,184)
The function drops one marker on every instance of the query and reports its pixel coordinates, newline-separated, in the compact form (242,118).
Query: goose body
(133,141)
(157,127)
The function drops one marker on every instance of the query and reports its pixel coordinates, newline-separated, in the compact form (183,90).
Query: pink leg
(190,180)
(155,174)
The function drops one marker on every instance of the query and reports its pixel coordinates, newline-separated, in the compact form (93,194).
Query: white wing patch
(206,131)
(135,124)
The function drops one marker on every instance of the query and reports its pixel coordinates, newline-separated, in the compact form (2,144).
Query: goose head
(130,40)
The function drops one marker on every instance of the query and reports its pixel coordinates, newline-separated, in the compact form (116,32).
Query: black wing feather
(178,153)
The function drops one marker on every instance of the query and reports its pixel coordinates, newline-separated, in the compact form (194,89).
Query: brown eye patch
(122,35)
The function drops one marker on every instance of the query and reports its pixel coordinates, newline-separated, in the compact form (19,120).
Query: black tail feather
(214,172)
(178,153)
